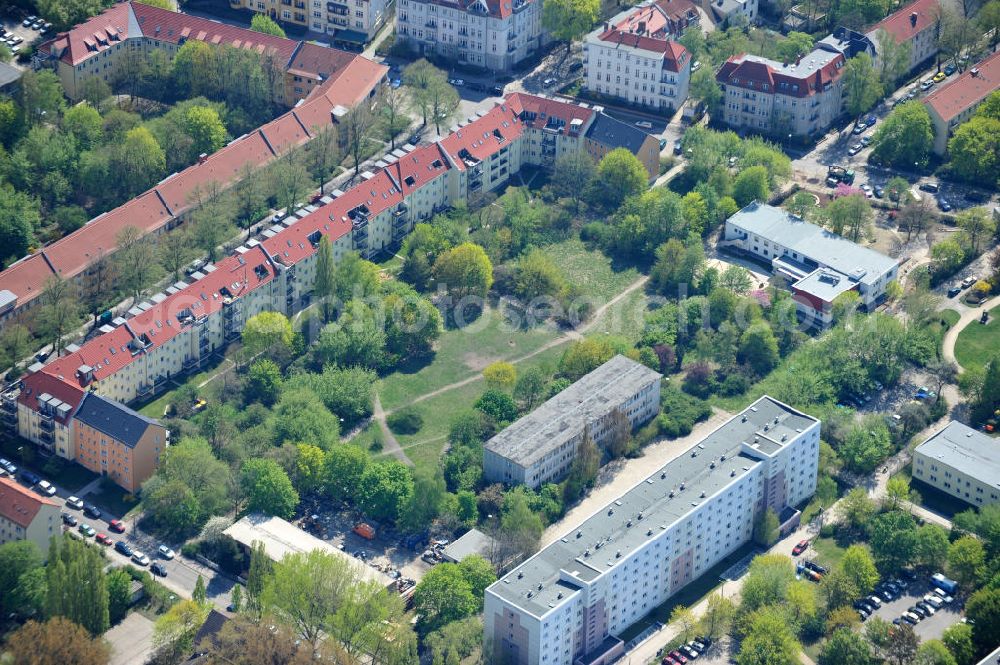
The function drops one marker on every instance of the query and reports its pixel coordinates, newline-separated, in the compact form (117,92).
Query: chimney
(606,26)
(913,19)
(202,158)
(798,60)
(642,27)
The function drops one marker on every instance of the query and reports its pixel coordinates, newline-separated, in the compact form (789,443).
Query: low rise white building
(494,35)
(569,603)
(634,56)
(962,462)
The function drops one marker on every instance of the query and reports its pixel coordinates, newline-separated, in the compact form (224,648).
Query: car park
(70,519)
(158,569)
(87,530)
(91,510)
(45,488)
(855,149)
(140,558)
(165,552)
(74,502)
(801,547)
(103,539)
(116,526)
(122,548)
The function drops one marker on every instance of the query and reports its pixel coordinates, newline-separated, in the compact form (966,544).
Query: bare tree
(915,217)
(355,129)
(59,311)
(174,251)
(134,260)
(289,180)
(249,196)
(393,119)
(100,283)
(324,154)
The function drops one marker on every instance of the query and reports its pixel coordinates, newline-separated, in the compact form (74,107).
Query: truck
(941,582)
(837,174)
(364,530)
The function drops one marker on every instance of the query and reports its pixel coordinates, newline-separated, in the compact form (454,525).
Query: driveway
(968,316)
(131,641)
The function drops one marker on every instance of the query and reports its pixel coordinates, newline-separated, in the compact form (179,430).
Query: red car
(679,657)
(667,660)
(800,548)
(116,526)
(103,539)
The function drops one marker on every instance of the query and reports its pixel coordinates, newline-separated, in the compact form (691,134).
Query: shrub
(376,446)
(679,412)
(406,421)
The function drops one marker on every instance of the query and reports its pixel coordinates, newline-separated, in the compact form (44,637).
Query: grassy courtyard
(978,343)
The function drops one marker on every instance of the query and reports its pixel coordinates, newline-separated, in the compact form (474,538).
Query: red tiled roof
(20,505)
(659,20)
(753,74)
(105,354)
(26,278)
(40,383)
(902,25)
(967,90)
(284,132)
(484,136)
(537,111)
(418,168)
(318,61)
(79,43)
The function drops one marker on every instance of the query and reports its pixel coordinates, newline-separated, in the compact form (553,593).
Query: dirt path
(950,337)
(562,339)
(390,446)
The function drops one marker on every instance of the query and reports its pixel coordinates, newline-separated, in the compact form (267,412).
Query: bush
(827,531)
(406,421)
(376,446)
(734,384)
(679,412)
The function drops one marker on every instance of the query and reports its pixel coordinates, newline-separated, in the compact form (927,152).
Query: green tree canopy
(267,25)
(569,20)
(620,175)
(905,138)
(268,488)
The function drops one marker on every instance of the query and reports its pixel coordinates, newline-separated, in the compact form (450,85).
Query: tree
(769,640)
(77,588)
(519,534)
(59,311)
(268,488)
(537,276)
(569,20)
(958,639)
(684,619)
(83,123)
(678,267)
(974,148)
(718,615)
(189,486)
(620,175)
(978,224)
(866,446)
(464,271)
(264,382)
(418,77)
(794,46)
(893,540)
(442,101)
(765,529)
(19,217)
(138,163)
(736,279)
(705,89)
(983,608)
(426,501)
(839,589)
(906,137)
(572,174)
(259,573)
(355,129)
(902,647)
(915,217)
(458,639)
(179,625)
(392,117)
(583,357)
(947,256)
(119,594)
(759,348)
(859,567)
(752,184)
(955,34)
(290,180)
(135,261)
(931,547)
(203,125)
(857,508)
(845,647)
(500,376)
(58,641)
(443,596)
(766,582)
(898,191)
(850,216)
(199,595)
(897,491)
(386,487)
(989,21)
(583,470)
(498,405)
(41,95)
(894,58)
(264,23)
(16,343)
(530,386)
(861,85)
(266,331)
(618,434)
(17,558)
(966,561)
(934,652)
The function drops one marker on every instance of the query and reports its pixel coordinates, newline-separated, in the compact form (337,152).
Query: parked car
(87,530)
(28,21)
(456,82)
(940,76)
(103,539)
(140,558)
(863,615)
(116,526)
(931,187)
(30,479)
(879,191)
(919,611)
(969,281)
(911,619)
(74,502)
(688,651)
(926,84)
(45,488)
(158,569)
(954,291)
(945,597)
(866,140)
(927,607)
(122,548)
(801,547)
(944,204)
(548,82)
(8,466)
(70,519)
(855,149)
(165,552)
(679,657)
(875,600)
(812,565)
(91,510)
(497,90)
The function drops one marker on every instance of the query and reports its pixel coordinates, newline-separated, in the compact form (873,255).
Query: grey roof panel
(116,420)
(616,134)
(967,450)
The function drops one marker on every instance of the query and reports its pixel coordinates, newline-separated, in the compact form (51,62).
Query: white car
(165,552)
(933,600)
(945,598)
(46,488)
(75,502)
(874,600)
(456,82)
(140,558)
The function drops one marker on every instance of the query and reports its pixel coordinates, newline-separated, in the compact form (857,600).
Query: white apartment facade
(634,56)
(494,35)
(800,99)
(568,603)
(24,515)
(344,21)
(917,25)
(962,462)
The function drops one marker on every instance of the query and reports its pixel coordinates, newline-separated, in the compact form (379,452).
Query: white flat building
(540,447)
(795,249)
(634,56)
(494,35)
(962,462)
(567,604)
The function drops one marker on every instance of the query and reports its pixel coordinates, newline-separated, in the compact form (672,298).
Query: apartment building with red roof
(495,35)
(956,101)
(634,56)
(916,24)
(801,98)
(347,24)
(24,515)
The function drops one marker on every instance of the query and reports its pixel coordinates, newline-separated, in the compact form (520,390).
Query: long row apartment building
(321,85)
(569,603)
(175,331)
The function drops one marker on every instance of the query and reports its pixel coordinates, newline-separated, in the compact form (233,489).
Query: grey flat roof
(966,450)
(592,548)
(812,241)
(473,542)
(8,74)
(561,418)
(810,63)
(825,284)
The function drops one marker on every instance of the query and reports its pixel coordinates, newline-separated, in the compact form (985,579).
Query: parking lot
(18,37)
(933,626)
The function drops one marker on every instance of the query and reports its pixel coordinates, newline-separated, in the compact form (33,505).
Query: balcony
(8,418)
(47,425)
(430,24)
(8,404)
(300,5)
(359,233)
(361,242)
(190,363)
(511,48)
(144,389)
(398,231)
(47,438)
(337,8)
(232,333)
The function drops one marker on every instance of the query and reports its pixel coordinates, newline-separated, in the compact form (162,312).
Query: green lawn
(155,408)
(589,270)
(978,343)
(625,318)
(828,552)
(949,317)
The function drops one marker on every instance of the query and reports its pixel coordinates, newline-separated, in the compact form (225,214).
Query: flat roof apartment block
(962,462)
(540,447)
(568,603)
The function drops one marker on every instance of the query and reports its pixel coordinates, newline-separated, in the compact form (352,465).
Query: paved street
(131,641)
